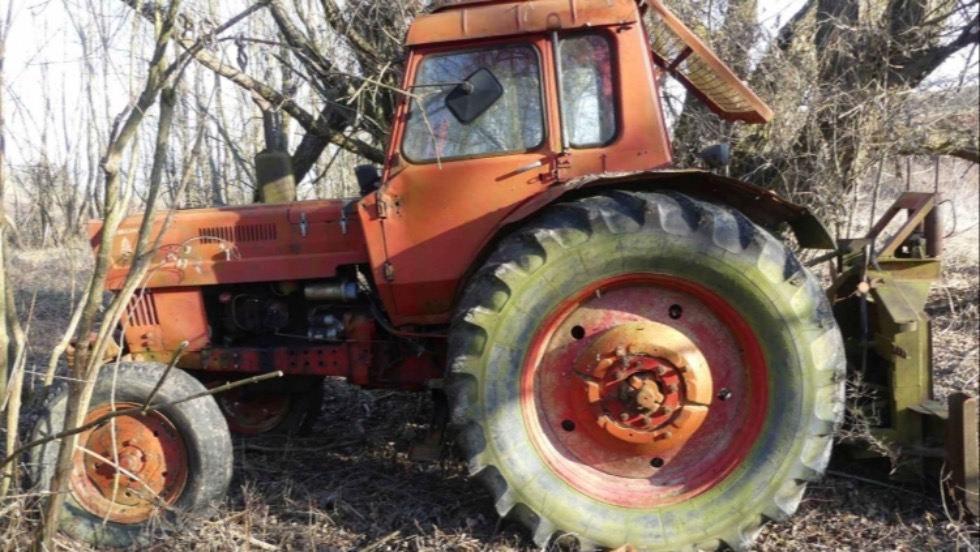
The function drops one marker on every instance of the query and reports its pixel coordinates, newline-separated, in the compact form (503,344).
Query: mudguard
(762,206)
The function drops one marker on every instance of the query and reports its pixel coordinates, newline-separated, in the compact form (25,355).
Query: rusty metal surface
(488,19)
(963,456)
(151,472)
(439,217)
(242,244)
(161,319)
(690,448)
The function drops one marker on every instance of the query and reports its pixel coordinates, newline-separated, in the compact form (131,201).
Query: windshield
(514,123)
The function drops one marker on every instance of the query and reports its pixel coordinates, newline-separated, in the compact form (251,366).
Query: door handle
(529,167)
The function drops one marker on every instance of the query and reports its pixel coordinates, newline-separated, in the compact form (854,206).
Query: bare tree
(845,78)
(13,340)
(338,83)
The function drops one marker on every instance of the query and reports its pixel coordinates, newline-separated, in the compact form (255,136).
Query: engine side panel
(261,243)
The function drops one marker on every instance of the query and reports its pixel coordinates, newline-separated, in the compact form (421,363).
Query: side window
(514,123)
(587,90)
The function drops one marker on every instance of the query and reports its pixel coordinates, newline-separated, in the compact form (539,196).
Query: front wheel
(648,370)
(133,474)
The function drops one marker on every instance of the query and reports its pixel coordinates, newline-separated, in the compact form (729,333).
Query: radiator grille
(238,234)
(142,310)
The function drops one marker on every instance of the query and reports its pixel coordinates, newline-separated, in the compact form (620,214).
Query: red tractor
(630,353)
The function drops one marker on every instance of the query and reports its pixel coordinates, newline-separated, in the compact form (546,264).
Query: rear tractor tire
(289,405)
(645,369)
(134,475)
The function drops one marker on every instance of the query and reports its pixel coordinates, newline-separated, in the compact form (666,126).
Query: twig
(173,362)
(254,541)
(136,410)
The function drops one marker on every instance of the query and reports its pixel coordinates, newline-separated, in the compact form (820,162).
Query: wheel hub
(147,469)
(645,384)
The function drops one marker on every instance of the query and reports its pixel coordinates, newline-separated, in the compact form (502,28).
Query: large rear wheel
(289,405)
(645,369)
(133,475)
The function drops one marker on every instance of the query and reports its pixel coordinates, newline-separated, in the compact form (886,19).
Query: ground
(350,486)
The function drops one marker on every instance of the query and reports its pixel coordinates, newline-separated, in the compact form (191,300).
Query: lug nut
(673,388)
(661,370)
(624,417)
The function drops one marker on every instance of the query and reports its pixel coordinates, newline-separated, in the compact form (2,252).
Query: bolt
(661,370)
(725,394)
(672,388)
(666,409)
(624,417)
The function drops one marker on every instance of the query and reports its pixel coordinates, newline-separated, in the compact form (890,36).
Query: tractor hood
(258,243)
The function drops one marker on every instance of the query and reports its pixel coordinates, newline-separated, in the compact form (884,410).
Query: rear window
(587,90)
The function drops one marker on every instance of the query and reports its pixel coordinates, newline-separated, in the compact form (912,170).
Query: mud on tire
(622,286)
(183,454)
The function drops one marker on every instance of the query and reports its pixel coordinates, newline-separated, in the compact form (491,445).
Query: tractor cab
(507,100)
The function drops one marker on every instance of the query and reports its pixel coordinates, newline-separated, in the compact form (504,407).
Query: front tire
(645,369)
(176,460)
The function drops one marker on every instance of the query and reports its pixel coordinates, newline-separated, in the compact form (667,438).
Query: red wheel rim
(252,415)
(152,465)
(644,390)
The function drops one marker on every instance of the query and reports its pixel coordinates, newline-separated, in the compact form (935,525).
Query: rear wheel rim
(129,467)
(253,415)
(644,390)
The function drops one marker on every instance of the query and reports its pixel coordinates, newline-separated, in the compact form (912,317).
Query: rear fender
(762,206)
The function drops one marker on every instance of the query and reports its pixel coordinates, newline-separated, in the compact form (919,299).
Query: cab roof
(452,20)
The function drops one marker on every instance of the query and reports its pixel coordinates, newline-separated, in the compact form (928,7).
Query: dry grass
(350,486)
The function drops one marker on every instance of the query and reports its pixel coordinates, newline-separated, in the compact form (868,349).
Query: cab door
(451,181)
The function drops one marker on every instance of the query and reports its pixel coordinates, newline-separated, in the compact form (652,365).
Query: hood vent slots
(142,310)
(239,233)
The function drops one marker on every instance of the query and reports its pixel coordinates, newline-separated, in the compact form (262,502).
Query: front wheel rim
(127,468)
(644,390)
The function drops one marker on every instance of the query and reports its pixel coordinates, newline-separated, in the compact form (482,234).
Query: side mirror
(474,96)
(368,178)
(717,156)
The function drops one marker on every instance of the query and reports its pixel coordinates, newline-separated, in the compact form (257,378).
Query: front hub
(645,384)
(127,468)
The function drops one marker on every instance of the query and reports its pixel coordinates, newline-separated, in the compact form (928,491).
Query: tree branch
(319,126)
(914,67)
